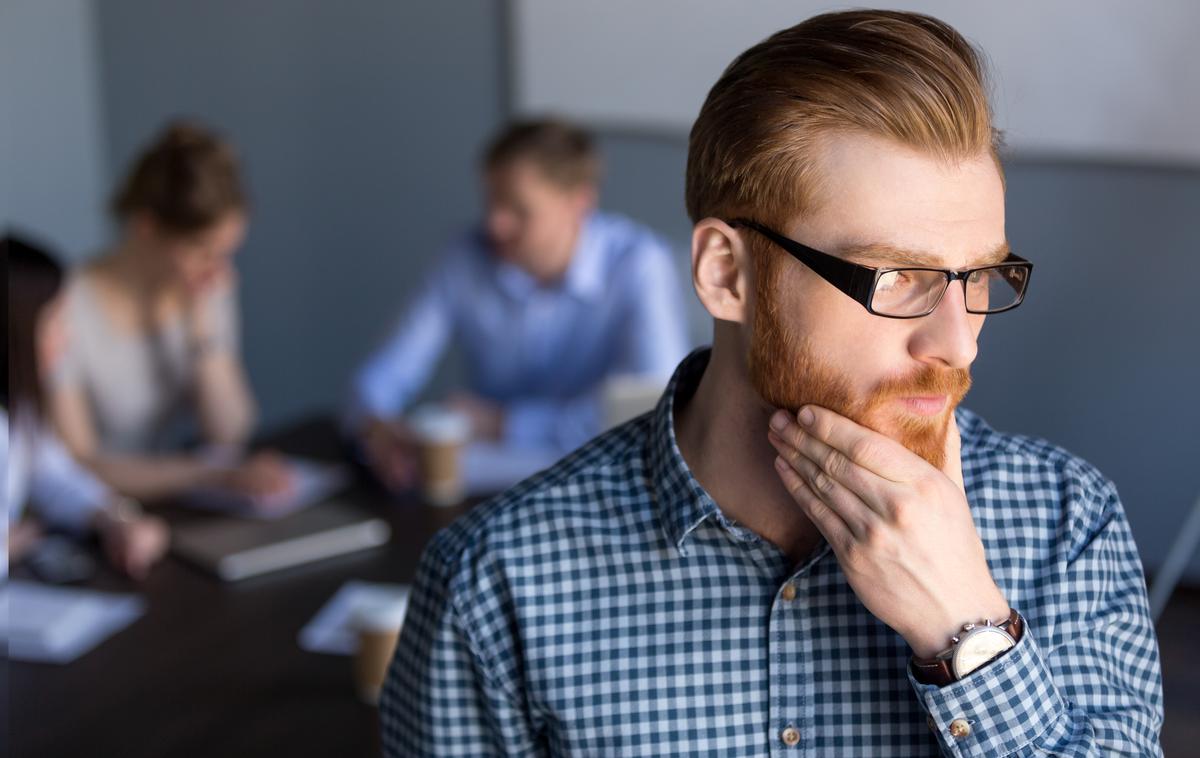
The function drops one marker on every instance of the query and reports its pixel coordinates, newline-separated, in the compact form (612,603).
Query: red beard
(788,374)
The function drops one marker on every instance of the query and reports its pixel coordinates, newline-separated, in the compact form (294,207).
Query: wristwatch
(975,646)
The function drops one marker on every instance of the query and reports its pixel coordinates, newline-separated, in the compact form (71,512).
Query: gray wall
(360,122)
(51,144)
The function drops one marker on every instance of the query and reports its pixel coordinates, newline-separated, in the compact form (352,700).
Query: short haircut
(754,148)
(565,154)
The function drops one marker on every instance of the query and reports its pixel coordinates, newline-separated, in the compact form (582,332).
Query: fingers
(952,467)
(869,449)
(856,514)
(135,547)
(823,517)
(821,461)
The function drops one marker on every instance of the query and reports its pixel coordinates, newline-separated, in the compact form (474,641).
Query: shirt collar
(682,502)
(585,275)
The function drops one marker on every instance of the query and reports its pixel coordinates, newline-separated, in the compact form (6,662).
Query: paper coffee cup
(377,626)
(441,435)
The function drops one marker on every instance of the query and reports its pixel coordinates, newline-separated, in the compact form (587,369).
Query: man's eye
(980,279)
(894,280)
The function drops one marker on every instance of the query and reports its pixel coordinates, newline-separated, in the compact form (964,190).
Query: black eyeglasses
(909,292)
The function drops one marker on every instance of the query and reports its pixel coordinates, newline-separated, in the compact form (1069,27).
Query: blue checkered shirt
(607,607)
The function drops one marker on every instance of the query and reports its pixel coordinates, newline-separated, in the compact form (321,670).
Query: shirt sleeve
(69,369)
(655,336)
(226,320)
(65,494)
(1092,686)
(560,424)
(444,693)
(391,377)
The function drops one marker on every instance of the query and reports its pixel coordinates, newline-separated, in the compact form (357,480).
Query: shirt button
(959,728)
(790,736)
(789,592)
(931,723)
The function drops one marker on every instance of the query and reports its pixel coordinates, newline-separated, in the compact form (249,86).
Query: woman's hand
(134,544)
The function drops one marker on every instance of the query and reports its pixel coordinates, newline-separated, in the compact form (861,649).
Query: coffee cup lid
(438,423)
(380,615)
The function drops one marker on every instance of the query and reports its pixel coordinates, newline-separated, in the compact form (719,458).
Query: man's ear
(721,270)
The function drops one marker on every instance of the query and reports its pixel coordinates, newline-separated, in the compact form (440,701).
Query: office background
(360,124)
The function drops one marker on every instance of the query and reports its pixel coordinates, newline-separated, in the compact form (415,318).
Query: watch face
(981,645)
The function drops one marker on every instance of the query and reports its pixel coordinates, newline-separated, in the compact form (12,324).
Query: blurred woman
(66,496)
(155,359)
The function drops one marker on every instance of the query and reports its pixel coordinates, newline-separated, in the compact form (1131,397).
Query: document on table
(312,482)
(48,624)
(489,468)
(332,629)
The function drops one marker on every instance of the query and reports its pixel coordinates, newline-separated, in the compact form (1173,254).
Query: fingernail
(806,416)
(779,421)
(780,463)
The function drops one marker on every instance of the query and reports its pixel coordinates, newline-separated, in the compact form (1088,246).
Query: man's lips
(925,405)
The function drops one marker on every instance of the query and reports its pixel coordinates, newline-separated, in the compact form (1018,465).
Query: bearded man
(808,547)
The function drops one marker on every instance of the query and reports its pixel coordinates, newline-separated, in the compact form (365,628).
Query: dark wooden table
(214,669)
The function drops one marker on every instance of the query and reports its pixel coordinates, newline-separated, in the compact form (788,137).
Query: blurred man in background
(548,298)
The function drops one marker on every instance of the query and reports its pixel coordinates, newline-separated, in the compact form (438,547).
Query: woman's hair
(34,278)
(187,180)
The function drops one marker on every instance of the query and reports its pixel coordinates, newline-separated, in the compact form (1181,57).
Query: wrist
(935,637)
(118,515)
(973,647)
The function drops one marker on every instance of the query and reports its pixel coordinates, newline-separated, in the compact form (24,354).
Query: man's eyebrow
(882,253)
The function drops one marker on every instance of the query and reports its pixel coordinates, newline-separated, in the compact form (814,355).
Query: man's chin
(923,435)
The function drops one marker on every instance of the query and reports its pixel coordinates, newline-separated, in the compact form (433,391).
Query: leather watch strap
(939,671)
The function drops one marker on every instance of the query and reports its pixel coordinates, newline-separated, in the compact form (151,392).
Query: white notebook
(58,624)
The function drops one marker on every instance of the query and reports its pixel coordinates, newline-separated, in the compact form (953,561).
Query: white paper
(312,482)
(489,468)
(330,631)
(58,624)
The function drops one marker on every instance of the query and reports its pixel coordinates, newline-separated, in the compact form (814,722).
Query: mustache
(927,380)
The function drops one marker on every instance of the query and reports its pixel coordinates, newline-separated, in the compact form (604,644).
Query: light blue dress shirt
(540,351)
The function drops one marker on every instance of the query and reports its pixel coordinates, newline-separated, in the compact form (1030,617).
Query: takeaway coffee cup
(441,435)
(377,626)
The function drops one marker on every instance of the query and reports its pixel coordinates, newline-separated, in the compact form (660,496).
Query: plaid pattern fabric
(607,607)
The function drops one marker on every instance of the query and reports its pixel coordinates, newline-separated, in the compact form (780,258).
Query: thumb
(952,464)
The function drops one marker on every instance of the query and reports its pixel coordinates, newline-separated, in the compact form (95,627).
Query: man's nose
(946,336)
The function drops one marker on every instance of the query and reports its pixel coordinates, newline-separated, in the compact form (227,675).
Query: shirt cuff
(997,709)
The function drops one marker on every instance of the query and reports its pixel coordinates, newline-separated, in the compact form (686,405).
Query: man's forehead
(883,203)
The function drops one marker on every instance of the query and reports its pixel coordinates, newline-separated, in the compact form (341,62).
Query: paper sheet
(489,468)
(313,482)
(50,624)
(330,631)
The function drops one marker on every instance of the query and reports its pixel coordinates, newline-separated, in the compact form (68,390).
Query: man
(549,299)
(787,556)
